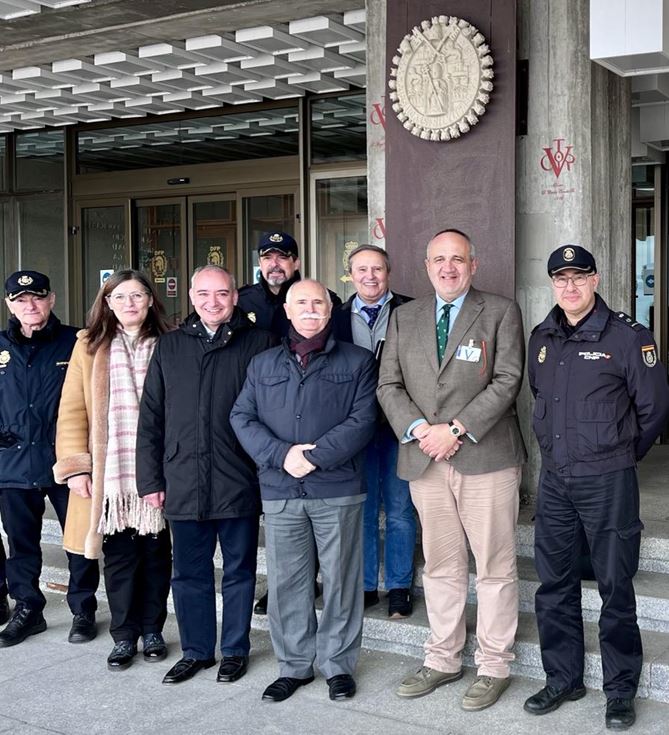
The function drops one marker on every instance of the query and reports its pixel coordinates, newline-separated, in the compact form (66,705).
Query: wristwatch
(454,429)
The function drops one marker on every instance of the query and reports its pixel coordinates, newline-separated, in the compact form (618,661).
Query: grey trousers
(296,533)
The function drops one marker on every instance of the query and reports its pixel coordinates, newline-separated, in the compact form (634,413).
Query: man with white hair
(306,412)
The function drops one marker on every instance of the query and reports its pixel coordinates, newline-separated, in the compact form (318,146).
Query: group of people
(279,399)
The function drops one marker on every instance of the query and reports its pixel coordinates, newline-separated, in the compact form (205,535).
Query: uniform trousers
(194,586)
(3,569)
(482,509)
(137,572)
(22,511)
(382,485)
(606,508)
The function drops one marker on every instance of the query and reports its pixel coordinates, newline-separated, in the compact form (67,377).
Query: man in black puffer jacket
(34,352)
(189,461)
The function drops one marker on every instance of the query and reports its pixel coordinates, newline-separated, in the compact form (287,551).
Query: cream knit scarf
(123,508)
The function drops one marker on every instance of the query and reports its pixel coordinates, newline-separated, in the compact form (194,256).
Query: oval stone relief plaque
(441,79)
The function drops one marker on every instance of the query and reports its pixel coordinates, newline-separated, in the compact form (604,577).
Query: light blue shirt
(456,305)
(358,303)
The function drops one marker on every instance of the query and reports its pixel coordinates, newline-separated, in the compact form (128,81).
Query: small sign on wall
(104,275)
(171,287)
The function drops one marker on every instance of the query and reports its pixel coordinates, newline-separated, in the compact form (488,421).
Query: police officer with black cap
(263,301)
(601,401)
(34,353)
(279,268)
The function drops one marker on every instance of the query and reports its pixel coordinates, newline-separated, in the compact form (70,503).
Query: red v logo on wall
(557,156)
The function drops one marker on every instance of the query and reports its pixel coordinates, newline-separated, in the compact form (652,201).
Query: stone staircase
(406,637)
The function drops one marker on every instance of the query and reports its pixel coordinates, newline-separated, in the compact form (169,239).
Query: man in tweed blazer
(450,373)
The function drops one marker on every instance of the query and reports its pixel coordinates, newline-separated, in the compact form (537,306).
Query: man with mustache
(306,412)
(263,301)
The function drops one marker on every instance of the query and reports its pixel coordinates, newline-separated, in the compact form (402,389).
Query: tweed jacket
(81,444)
(477,382)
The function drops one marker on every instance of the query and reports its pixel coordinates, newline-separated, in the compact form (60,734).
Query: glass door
(161,251)
(213,231)
(103,239)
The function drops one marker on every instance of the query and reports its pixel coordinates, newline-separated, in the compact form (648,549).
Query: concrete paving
(50,686)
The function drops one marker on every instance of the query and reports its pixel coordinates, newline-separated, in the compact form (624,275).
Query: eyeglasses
(578,280)
(120,298)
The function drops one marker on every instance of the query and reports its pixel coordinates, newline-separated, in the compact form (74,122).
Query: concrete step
(652,587)
(406,637)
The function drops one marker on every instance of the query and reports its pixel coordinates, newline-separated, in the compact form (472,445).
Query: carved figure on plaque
(441,79)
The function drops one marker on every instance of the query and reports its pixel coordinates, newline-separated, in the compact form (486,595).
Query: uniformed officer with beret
(263,301)
(601,401)
(34,353)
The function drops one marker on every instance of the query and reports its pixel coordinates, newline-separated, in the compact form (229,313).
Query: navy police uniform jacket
(601,393)
(265,308)
(32,372)
(331,404)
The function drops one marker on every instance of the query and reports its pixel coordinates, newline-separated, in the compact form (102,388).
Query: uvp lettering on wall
(557,159)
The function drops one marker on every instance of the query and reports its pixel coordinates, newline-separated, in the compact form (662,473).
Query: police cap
(571,257)
(282,242)
(27,282)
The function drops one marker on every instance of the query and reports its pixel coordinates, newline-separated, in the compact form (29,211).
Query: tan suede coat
(81,444)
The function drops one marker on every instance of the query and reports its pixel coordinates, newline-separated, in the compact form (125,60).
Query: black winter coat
(265,308)
(185,444)
(32,372)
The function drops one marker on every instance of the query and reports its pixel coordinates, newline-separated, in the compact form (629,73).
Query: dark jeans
(137,573)
(606,508)
(193,584)
(22,511)
(382,485)
(3,572)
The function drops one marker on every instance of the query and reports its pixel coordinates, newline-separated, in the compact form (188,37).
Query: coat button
(557,436)
(556,399)
(561,362)
(298,416)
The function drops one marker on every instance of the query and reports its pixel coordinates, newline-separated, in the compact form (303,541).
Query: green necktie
(442,331)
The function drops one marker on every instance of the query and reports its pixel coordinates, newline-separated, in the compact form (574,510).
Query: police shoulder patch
(649,355)
(628,321)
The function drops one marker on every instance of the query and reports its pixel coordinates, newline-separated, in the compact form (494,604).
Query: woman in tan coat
(95,453)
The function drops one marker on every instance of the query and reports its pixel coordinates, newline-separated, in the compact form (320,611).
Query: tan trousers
(481,509)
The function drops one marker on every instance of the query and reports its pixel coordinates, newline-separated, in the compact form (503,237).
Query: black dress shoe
(400,603)
(620,714)
(153,647)
(284,687)
(4,609)
(549,699)
(83,628)
(121,655)
(260,607)
(232,668)
(23,623)
(186,668)
(371,598)
(341,686)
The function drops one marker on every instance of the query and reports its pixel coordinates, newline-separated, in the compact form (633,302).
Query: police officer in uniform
(601,400)
(263,302)
(279,269)
(34,353)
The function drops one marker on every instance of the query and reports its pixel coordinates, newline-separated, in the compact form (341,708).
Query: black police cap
(27,282)
(571,256)
(282,242)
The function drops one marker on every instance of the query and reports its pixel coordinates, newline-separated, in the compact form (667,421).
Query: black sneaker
(400,603)
(23,623)
(4,608)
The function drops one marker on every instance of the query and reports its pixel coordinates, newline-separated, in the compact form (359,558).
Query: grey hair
(215,269)
(289,293)
(454,231)
(366,248)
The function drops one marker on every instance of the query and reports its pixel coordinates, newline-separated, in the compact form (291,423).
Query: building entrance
(169,236)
